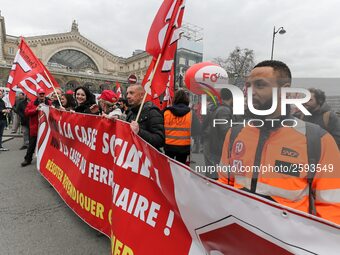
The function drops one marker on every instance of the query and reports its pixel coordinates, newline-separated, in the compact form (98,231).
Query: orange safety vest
(177,129)
(281,159)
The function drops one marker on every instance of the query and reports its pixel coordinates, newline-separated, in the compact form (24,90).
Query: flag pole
(145,95)
(48,77)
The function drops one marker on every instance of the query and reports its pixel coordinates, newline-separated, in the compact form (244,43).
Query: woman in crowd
(177,124)
(86,102)
(108,103)
(68,102)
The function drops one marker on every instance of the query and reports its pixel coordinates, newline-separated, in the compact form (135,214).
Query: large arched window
(73,60)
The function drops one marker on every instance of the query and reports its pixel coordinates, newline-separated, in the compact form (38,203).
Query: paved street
(33,218)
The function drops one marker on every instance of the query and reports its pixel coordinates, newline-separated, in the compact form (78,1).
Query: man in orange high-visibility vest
(295,166)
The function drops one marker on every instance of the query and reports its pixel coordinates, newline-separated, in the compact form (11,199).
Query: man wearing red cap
(107,101)
(31,111)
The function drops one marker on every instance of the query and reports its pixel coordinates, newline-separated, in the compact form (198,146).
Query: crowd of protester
(179,127)
(176,130)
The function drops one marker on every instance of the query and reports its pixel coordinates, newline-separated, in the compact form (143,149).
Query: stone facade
(74,60)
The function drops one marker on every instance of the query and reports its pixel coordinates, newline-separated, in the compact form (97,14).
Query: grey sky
(311,46)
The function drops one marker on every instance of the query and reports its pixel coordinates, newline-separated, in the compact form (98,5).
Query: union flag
(29,74)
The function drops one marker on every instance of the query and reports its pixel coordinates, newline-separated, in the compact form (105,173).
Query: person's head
(265,76)
(1,93)
(108,100)
(317,99)
(67,101)
(226,95)
(123,103)
(181,97)
(58,92)
(83,95)
(21,95)
(41,95)
(70,92)
(135,94)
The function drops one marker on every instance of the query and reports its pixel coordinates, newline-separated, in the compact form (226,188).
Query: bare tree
(238,64)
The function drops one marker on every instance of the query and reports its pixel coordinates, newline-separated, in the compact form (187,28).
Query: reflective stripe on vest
(177,129)
(328,196)
(272,191)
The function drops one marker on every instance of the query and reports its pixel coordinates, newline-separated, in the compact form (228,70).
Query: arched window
(73,60)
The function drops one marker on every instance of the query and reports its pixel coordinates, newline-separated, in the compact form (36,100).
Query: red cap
(69,92)
(108,95)
(41,91)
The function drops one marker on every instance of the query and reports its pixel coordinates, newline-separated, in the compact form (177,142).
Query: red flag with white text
(29,74)
(162,44)
(118,90)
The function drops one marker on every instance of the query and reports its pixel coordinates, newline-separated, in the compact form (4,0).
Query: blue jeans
(3,124)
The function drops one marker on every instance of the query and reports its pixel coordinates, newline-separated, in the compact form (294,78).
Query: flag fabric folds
(162,44)
(118,90)
(29,74)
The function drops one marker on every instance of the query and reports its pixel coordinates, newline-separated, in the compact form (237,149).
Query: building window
(181,61)
(191,62)
(121,68)
(11,50)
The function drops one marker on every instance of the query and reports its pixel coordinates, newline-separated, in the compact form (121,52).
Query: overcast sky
(311,46)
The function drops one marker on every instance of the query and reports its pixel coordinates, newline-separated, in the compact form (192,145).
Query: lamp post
(281,31)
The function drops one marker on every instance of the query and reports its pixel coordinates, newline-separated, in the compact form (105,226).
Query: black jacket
(333,126)
(214,136)
(2,107)
(151,124)
(84,108)
(21,106)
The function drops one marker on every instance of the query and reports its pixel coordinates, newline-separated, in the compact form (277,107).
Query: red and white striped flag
(162,44)
(29,74)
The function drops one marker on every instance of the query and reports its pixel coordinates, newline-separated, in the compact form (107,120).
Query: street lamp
(281,31)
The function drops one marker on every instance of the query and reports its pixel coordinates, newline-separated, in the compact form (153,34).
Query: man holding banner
(150,124)
(31,111)
(296,166)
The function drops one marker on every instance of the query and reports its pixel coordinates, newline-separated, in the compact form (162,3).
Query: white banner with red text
(150,204)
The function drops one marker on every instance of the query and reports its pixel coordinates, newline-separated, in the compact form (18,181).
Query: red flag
(118,90)
(29,74)
(169,91)
(162,44)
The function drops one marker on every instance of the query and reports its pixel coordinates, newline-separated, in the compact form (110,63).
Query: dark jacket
(214,136)
(2,107)
(84,108)
(178,110)
(56,104)
(151,124)
(333,126)
(21,106)
(31,111)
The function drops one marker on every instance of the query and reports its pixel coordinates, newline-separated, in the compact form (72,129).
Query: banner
(150,204)
(71,157)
